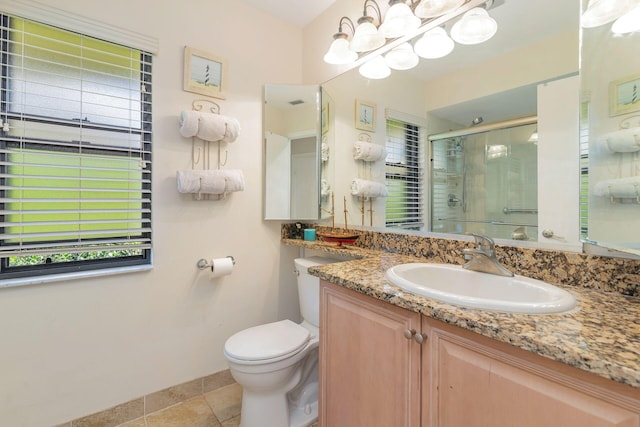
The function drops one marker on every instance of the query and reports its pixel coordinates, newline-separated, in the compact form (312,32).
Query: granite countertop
(601,335)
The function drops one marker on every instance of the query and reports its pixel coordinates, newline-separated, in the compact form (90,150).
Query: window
(75,152)
(404,175)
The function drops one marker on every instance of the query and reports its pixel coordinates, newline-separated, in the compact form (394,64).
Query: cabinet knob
(420,338)
(409,333)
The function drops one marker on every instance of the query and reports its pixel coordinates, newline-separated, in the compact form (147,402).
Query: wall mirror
(610,133)
(528,69)
(291,152)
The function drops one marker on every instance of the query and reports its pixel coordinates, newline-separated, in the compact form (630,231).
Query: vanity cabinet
(370,373)
(375,373)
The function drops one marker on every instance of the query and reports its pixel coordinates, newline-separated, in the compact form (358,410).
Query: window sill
(41,280)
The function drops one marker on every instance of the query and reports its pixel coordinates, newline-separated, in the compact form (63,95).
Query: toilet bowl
(277,363)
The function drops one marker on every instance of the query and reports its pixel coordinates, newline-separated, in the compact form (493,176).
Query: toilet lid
(268,341)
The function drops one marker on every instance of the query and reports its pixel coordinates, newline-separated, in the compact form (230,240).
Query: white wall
(70,349)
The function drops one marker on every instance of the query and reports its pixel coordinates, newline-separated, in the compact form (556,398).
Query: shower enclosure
(484,180)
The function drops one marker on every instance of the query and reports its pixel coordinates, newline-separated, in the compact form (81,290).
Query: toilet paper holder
(203,264)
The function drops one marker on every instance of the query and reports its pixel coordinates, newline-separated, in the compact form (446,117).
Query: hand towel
(201,181)
(189,123)
(621,187)
(622,141)
(368,152)
(365,188)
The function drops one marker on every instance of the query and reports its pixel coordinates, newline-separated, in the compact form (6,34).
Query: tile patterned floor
(218,408)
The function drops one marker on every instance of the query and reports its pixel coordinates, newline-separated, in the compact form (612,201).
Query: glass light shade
(366,37)
(435,43)
(475,26)
(375,69)
(627,23)
(600,12)
(434,8)
(398,21)
(402,57)
(340,53)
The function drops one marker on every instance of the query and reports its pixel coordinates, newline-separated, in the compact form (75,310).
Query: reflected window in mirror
(404,175)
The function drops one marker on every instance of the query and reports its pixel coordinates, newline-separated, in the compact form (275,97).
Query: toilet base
(303,417)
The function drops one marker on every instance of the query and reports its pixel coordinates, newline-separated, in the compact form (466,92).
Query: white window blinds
(75,149)
(404,174)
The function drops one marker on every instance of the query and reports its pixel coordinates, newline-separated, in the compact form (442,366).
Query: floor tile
(172,395)
(140,422)
(225,401)
(233,422)
(192,413)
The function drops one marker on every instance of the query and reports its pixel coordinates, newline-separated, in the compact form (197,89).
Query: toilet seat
(267,343)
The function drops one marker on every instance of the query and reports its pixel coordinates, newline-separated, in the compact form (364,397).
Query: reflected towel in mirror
(365,188)
(622,141)
(620,188)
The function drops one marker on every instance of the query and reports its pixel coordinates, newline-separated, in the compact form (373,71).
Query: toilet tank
(309,288)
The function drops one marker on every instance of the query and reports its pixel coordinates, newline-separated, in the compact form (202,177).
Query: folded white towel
(325,188)
(201,181)
(189,123)
(365,188)
(622,141)
(621,187)
(368,152)
(234,180)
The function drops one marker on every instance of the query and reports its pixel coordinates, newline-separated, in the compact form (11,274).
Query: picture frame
(204,73)
(365,115)
(624,95)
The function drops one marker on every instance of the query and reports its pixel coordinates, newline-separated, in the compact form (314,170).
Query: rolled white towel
(211,127)
(324,151)
(232,129)
(622,141)
(201,181)
(365,188)
(234,180)
(325,188)
(368,152)
(189,123)
(621,187)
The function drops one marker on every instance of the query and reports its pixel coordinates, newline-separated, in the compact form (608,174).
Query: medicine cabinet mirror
(291,152)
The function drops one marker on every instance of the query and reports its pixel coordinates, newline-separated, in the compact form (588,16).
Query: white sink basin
(456,285)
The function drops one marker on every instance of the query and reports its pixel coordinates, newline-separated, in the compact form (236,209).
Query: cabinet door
(369,371)
(476,384)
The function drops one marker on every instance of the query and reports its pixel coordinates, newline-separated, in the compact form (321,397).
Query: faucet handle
(484,243)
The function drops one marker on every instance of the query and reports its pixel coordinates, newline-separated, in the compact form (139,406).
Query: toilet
(277,363)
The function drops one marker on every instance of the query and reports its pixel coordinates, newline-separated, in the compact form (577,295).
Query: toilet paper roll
(221,266)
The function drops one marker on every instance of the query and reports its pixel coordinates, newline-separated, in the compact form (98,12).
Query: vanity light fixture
(475,26)
(434,8)
(402,57)
(339,52)
(601,12)
(376,69)
(399,20)
(628,23)
(433,44)
(366,36)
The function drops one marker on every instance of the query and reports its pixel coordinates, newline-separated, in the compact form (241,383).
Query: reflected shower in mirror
(291,152)
(485,182)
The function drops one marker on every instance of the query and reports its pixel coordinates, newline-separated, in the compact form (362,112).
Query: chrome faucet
(483,257)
